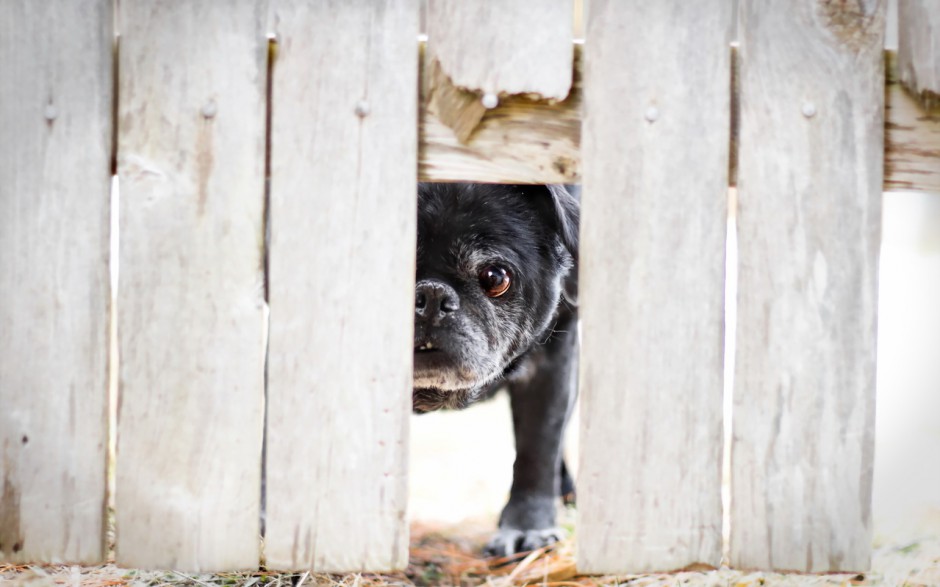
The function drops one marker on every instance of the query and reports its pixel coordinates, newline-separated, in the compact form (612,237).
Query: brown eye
(495,280)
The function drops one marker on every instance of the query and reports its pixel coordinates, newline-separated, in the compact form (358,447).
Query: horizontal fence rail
(340,122)
(529,141)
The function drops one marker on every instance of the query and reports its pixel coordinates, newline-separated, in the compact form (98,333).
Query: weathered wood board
(919,50)
(343,222)
(191,169)
(653,225)
(55,167)
(500,48)
(809,223)
(503,46)
(521,141)
(912,139)
(534,141)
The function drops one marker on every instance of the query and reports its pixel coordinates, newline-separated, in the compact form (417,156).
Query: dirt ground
(448,555)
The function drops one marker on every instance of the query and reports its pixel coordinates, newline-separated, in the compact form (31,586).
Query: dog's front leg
(541,405)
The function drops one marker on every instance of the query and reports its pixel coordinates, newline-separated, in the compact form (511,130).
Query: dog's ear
(561,211)
(562,208)
(567,215)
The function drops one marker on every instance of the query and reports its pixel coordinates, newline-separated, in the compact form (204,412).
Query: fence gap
(191,164)
(809,214)
(654,214)
(342,259)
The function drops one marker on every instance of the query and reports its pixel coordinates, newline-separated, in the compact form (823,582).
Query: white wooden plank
(809,221)
(656,128)
(919,49)
(191,167)
(55,154)
(343,202)
(500,47)
(504,46)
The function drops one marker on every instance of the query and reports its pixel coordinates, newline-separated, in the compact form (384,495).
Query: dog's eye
(495,280)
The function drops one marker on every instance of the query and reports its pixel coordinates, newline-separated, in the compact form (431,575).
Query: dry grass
(448,556)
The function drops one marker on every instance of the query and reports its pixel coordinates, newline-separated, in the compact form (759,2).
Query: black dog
(495,305)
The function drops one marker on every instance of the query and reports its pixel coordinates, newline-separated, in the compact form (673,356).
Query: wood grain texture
(460,110)
(55,155)
(504,47)
(809,223)
(496,48)
(343,216)
(520,141)
(912,139)
(191,167)
(919,50)
(534,141)
(653,229)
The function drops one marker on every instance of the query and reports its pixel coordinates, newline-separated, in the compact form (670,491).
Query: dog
(496,305)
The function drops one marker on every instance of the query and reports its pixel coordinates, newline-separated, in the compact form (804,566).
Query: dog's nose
(434,299)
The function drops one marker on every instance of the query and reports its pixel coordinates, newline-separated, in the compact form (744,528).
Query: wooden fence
(197,114)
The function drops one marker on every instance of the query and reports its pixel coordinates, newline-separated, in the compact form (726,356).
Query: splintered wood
(342,258)
(191,166)
(55,154)
(534,141)
(809,224)
(521,141)
(493,49)
(653,227)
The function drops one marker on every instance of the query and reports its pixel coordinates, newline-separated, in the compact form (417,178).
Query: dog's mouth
(431,358)
(427,347)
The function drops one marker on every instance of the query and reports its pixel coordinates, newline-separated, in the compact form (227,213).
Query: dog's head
(493,262)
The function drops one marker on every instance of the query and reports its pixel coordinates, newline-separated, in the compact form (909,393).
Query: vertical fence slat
(655,140)
(191,167)
(809,219)
(343,197)
(504,46)
(55,154)
(919,49)
(489,48)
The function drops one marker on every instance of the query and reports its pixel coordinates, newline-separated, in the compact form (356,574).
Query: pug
(495,306)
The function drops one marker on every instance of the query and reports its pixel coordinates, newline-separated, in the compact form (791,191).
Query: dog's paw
(510,541)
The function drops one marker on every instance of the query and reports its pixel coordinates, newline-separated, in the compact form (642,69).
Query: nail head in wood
(209,110)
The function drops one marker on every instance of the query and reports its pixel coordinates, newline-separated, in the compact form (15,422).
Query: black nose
(434,299)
